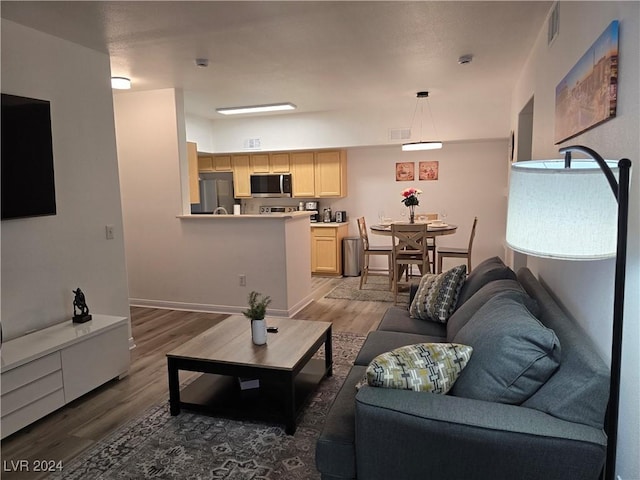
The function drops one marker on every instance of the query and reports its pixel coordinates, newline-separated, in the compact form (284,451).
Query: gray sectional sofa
(529,404)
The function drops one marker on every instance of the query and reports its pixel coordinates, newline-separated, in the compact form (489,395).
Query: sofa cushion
(579,390)
(437,295)
(397,319)
(423,367)
(380,342)
(507,287)
(335,449)
(487,271)
(513,353)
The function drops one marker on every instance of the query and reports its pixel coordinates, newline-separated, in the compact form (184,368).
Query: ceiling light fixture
(273,107)
(120,83)
(422,145)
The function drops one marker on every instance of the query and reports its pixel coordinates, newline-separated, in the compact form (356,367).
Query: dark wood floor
(67,432)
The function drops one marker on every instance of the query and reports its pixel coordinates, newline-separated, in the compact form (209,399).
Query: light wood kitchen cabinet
(279,163)
(270,163)
(260,163)
(241,176)
(331,173)
(222,163)
(303,174)
(205,163)
(326,249)
(194,185)
(214,163)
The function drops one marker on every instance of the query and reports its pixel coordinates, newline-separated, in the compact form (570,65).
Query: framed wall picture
(405,171)
(588,94)
(428,171)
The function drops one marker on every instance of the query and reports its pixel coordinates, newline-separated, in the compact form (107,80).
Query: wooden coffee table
(286,371)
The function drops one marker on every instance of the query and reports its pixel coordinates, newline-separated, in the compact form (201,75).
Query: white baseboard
(222,309)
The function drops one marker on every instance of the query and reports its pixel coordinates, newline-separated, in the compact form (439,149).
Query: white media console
(44,370)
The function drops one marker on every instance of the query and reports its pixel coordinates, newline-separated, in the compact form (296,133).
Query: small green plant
(257,306)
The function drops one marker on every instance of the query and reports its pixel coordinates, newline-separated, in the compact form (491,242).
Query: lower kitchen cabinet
(326,248)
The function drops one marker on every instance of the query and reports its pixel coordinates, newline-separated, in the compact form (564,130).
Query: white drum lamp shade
(558,212)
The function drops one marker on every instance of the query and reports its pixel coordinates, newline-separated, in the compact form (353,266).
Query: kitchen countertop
(271,216)
(328,224)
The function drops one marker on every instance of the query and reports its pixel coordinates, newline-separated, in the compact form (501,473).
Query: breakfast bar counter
(232,255)
(227,218)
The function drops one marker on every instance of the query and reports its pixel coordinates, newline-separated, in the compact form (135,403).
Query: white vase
(259,331)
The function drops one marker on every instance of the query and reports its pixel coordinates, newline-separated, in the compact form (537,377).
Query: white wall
(586,288)
(194,264)
(45,258)
(472,182)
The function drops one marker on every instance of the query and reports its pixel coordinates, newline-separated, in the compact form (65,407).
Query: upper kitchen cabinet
(259,163)
(214,163)
(303,174)
(241,176)
(270,163)
(279,163)
(194,186)
(331,173)
(319,174)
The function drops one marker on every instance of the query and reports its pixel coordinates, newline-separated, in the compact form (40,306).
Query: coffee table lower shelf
(220,395)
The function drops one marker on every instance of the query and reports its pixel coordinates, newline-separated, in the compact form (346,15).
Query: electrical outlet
(109,231)
(243,280)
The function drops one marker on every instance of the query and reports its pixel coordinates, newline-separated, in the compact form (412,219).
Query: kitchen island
(231,255)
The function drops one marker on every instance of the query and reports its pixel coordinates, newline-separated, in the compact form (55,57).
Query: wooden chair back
(423,217)
(473,234)
(364,236)
(409,239)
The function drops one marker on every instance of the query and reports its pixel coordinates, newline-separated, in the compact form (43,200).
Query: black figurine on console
(79,303)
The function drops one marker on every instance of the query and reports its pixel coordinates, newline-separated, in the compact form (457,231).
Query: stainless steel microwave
(271,185)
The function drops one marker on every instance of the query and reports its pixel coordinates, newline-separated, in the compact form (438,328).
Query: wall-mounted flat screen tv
(28,181)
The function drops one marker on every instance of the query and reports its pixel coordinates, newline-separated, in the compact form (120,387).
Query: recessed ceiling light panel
(273,107)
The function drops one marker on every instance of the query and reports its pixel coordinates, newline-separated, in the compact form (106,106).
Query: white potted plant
(257,309)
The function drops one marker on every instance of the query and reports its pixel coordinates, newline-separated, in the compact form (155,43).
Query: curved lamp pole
(620,190)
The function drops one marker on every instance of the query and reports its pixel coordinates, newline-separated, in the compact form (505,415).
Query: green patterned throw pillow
(437,295)
(424,367)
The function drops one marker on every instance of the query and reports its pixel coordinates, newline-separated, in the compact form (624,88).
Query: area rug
(192,446)
(375,290)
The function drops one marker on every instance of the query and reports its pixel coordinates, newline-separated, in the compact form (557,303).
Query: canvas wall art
(405,171)
(428,171)
(587,95)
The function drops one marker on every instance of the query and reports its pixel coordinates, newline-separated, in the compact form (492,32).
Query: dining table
(434,229)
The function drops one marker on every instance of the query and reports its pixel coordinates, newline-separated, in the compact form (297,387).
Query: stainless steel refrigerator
(216,190)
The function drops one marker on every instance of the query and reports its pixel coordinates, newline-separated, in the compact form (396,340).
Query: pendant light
(422,145)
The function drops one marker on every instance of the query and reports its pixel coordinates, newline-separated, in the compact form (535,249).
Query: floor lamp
(564,209)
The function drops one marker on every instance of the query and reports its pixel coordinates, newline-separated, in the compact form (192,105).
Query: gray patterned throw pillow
(437,295)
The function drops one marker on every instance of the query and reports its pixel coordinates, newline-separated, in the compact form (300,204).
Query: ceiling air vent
(399,134)
(553,25)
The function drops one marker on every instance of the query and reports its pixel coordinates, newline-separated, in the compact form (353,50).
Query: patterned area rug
(192,446)
(375,290)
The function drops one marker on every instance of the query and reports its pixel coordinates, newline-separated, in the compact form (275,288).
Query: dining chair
(431,241)
(454,252)
(409,248)
(367,251)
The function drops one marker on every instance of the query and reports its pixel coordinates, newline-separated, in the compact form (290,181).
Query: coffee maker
(313,206)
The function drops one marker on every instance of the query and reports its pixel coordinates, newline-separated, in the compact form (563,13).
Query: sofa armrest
(404,434)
